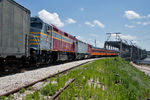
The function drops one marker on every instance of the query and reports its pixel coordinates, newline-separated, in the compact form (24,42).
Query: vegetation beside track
(111,79)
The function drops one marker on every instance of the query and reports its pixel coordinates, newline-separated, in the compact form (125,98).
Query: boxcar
(14,29)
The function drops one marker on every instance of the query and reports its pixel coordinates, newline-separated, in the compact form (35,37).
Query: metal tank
(14,29)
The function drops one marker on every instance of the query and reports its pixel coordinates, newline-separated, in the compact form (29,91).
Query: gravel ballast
(13,82)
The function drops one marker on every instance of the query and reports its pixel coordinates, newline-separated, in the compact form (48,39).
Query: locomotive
(48,43)
(32,41)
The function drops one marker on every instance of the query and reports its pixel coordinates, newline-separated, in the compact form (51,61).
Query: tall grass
(112,79)
(104,79)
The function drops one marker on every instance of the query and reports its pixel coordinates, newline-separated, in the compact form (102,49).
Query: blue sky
(92,19)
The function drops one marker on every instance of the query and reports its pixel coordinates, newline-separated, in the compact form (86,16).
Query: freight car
(14,30)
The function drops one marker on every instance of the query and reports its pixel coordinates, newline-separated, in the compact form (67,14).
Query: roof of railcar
(20,6)
(63,33)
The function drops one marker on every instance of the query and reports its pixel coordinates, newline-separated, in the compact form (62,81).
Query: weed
(28,97)
(2,97)
(30,88)
(49,89)
(36,95)
(10,97)
(111,79)
(22,90)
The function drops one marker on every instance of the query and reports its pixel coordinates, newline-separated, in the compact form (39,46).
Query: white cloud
(94,35)
(80,37)
(148,15)
(129,26)
(126,37)
(81,9)
(146,23)
(132,15)
(91,41)
(138,23)
(88,23)
(70,21)
(100,44)
(50,18)
(96,22)
(143,23)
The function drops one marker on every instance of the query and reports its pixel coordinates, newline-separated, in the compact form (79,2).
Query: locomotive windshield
(36,25)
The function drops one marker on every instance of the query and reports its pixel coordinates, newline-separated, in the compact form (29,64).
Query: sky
(90,20)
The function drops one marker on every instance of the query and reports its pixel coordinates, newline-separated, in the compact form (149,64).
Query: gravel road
(143,68)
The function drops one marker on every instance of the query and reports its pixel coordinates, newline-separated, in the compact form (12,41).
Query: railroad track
(14,83)
(14,69)
(70,81)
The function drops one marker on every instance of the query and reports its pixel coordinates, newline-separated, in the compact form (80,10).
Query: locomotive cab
(40,35)
(40,40)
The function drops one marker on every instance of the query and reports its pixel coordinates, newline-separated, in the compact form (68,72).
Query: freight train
(32,41)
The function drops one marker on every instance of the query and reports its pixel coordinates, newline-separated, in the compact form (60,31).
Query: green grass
(112,79)
(22,90)
(34,96)
(104,79)
(51,88)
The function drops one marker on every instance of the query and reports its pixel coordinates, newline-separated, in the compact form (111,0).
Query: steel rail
(56,95)
(43,79)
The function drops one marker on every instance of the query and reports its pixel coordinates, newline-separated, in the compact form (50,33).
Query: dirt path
(144,68)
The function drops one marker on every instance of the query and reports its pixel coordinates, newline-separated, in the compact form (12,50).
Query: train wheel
(37,65)
(49,59)
(1,62)
(54,57)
